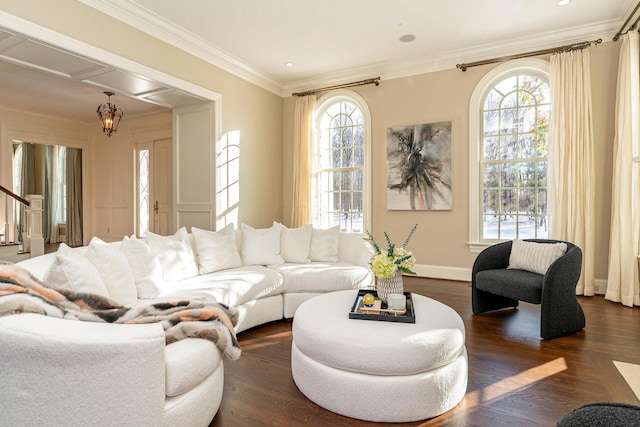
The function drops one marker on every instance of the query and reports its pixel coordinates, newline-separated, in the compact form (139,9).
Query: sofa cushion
(295,243)
(261,246)
(231,287)
(187,363)
(533,256)
(145,265)
(39,266)
(72,271)
(175,254)
(323,276)
(216,250)
(114,270)
(501,282)
(325,245)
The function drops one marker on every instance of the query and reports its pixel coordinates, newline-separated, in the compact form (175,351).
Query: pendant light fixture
(110,115)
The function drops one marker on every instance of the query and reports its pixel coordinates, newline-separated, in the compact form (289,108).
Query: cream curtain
(571,154)
(54,167)
(622,283)
(74,196)
(27,178)
(302,160)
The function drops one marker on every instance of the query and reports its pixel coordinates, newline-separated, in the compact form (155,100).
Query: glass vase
(392,285)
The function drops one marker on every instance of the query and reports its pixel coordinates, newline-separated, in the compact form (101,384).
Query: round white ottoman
(379,371)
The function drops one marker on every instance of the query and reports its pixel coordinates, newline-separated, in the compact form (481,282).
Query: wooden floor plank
(515,378)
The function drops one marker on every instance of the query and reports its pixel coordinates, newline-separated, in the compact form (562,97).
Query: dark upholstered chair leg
(494,257)
(560,321)
(482,301)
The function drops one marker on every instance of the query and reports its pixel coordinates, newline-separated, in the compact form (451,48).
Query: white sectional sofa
(61,372)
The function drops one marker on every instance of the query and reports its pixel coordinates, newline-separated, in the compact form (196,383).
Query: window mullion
(512,129)
(341,145)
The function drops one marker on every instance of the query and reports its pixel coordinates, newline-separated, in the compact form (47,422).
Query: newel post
(34,242)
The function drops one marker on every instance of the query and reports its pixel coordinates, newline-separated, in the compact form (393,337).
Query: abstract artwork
(419,167)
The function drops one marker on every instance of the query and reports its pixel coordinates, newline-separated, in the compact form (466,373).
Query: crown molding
(160,28)
(152,24)
(449,60)
(53,38)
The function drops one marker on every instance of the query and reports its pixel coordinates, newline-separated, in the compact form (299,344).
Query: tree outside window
(513,165)
(340,168)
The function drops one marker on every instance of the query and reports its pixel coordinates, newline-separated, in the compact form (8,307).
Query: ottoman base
(379,398)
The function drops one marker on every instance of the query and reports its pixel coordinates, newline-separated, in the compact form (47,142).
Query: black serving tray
(408,317)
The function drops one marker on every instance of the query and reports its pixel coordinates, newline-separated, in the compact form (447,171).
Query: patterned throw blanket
(20,292)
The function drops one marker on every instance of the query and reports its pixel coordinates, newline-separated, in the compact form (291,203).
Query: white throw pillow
(261,246)
(175,254)
(72,271)
(325,244)
(533,256)
(295,243)
(216,250)
(114,270)
(145,265)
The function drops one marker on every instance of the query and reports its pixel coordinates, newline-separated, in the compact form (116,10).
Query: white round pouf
(375,370)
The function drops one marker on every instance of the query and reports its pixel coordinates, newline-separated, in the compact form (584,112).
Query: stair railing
(34,241)
(10,200)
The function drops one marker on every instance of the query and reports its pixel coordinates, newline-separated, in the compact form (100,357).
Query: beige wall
(442,236)
(255,113)
(604,69)
(265,124)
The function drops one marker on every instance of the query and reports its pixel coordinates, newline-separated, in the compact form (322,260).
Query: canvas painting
(419,167)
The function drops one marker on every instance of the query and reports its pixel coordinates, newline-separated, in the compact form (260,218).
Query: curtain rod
(566,48)
(373,81)
(620,33)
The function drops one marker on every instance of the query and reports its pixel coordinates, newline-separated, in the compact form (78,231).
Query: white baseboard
(600,286)
(443,272)
(464,275)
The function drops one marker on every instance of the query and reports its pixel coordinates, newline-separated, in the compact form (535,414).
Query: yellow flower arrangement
(385,264)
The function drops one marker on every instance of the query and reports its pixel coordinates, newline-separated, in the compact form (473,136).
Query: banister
(14,195)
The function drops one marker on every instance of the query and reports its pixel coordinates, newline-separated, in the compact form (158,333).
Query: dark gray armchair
(493,287)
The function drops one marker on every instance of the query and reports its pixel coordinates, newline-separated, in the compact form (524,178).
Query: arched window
(341,163)
(509,136)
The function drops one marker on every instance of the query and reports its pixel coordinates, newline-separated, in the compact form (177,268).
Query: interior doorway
(55,172)
(154,187)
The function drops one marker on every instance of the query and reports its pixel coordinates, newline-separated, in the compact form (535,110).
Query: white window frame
(353,97)
(521,66)
(140,212)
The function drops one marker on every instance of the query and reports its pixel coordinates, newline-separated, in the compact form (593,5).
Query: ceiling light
(563,2)
(109,115)
(406,38)
(288,64)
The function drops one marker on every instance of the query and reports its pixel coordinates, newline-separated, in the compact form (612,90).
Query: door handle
(155,208)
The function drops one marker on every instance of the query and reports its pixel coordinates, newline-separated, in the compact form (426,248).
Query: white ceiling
(329,42)
(39,92)
(40,78)
(334,40)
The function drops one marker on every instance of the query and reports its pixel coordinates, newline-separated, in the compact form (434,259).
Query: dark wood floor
(515,378)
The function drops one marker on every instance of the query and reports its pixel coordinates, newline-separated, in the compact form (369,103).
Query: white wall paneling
(194,159)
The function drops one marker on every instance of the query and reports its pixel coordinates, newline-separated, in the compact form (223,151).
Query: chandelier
(109,115)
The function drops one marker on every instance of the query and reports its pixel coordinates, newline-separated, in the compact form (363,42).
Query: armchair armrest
(561,278)
(72,373)
(493,258)
(561,313)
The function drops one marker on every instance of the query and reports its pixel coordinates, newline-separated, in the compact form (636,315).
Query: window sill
(477,247)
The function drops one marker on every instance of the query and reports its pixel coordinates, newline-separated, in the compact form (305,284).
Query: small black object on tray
(381,312)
